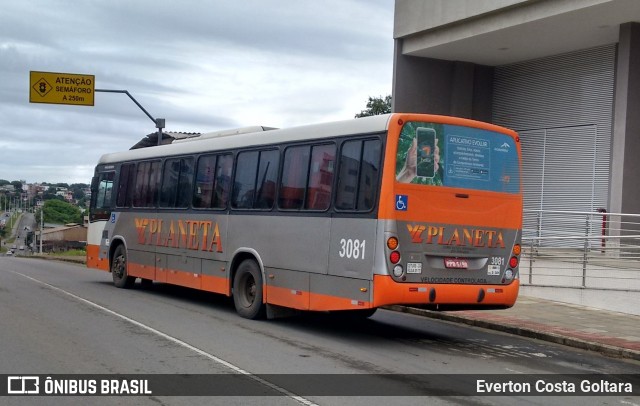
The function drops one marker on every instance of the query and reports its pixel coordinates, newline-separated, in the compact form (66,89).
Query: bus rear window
(457,156)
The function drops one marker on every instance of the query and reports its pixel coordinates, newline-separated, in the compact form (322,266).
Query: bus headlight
(398,271)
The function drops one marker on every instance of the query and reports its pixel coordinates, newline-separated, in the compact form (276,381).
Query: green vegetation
(60,212)
(376,106)
(72,253)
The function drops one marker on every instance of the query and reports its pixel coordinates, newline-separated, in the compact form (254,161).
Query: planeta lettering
(455,236)
(203,235)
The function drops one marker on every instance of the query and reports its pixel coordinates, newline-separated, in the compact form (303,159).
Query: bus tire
(247,290)
(121,278)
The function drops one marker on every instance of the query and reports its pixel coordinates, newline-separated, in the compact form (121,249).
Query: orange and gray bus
(408,209)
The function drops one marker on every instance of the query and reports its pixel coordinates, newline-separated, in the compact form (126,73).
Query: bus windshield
(455,156)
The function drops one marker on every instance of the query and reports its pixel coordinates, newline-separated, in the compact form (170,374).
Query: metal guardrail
(596,250)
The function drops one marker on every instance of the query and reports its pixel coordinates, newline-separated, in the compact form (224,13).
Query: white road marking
(212,357)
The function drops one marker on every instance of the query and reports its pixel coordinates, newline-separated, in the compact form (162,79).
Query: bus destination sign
(61,88)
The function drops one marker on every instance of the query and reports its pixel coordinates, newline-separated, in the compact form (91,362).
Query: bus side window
(358,175)
(307,177)
(320,182)
(245,180)
(294,178)
(266,180)
(255,179)
(177,183)
(222,182)
(205,178)
(369,175)
(348,175)
(146,184)
(125,182)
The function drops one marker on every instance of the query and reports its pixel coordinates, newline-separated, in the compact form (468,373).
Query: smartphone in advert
(426,152)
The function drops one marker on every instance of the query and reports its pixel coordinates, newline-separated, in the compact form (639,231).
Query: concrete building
(565,74)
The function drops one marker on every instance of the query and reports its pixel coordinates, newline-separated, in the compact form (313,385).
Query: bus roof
(363,125)
(256,136)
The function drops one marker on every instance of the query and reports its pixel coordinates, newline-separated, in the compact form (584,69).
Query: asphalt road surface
(61,318)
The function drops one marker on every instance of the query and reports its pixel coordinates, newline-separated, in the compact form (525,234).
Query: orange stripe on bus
(303,300)
(187,279)
(387,292)
(215,284)
(141,271)
(295,299)
(94,260)
(321,302)
(209,283)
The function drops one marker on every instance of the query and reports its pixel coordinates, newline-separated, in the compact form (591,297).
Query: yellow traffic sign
(61,88)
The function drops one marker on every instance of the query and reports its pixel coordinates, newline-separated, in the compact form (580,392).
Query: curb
(73,260)
(604,349)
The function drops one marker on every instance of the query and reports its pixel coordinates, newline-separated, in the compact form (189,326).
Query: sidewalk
(610,333)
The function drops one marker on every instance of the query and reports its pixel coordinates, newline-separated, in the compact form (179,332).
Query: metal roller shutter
(562,107)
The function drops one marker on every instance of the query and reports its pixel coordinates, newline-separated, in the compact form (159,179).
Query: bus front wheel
(121,278)
(247,290)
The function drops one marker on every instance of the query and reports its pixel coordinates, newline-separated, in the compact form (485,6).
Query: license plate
(414,267)
(456,263)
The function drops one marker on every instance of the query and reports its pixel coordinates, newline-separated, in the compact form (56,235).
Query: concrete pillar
(625,149)
(434,86)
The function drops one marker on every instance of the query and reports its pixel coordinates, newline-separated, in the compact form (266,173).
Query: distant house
(65,193)
(63,238)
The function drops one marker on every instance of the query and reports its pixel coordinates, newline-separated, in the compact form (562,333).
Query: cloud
(203,66)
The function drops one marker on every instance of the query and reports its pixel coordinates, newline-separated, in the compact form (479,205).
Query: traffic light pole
(159,122)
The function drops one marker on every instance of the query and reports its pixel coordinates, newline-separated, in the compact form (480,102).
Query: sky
(201,65)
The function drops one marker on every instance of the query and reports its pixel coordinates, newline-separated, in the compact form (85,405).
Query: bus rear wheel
(121,278)
(247,290)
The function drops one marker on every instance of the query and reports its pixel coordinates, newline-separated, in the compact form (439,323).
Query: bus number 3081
(352,249)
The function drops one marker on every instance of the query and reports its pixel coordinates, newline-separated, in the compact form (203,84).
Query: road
(26,223)
(60,318)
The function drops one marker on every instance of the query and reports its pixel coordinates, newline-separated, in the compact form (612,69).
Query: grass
(72,253)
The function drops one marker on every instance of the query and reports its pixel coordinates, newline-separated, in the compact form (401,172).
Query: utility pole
(41,226)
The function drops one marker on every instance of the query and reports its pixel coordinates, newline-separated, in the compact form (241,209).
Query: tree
(376,106)
(78,190)
(60,212)
(18,185)
(50,193)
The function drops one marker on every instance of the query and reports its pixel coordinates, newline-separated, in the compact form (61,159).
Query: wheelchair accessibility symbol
(402,201)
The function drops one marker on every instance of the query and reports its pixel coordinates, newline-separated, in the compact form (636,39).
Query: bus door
(101,207)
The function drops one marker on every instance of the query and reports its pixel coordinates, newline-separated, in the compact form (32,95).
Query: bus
(396,209)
